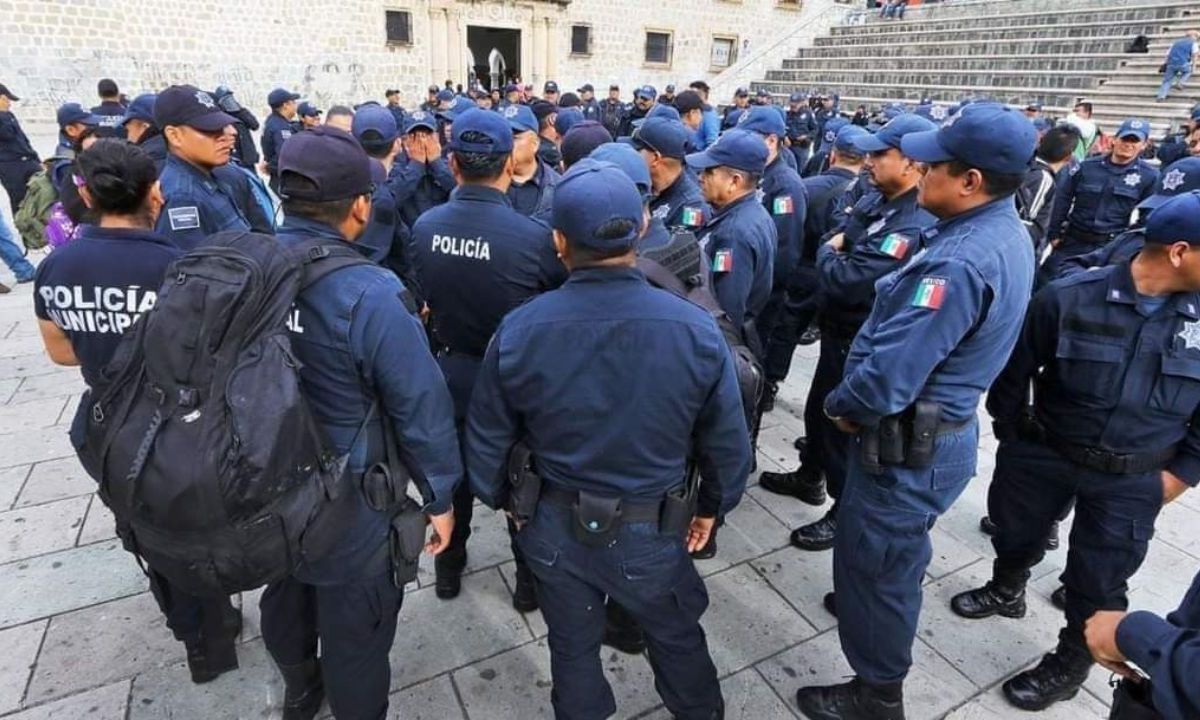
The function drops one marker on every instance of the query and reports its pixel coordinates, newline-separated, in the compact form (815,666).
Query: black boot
(304,691)
(448,571)
(804,484)
(1058,598)
(986,526)
(1052,540)
(819,535)
(854,700)
(710,548)
(207,660)
(767,404)
(830,603)
(1057,677)
(801,444)
(991,599)
(231,619)
(525,594)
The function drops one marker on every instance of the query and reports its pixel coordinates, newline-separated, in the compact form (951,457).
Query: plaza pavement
(81,638)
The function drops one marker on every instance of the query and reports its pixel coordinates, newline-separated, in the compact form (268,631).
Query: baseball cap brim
(1154,202)
(1141,136)
(702,161)
(924,147)
(869,143)
(427,124)
(210,122)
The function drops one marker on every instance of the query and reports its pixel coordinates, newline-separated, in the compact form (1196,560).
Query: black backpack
(200,436)
(680,267)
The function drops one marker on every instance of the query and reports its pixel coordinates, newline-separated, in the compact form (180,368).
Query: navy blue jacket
(535,198)
(740,240)
(681,204)
(880,236)
(825,216)
(784,197)
(1097,196)
(1169,651)
(1105,375)
(475,258)
(942,325)
(1122,248)
(276,131)
(94,287)
(801,125)
(358,343)
(419,186)
(199,204)
(14,144)
(613,384)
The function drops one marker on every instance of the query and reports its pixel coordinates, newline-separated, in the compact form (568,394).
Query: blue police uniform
(535,197)
(419,186)
(385,239)
(606,335)
(801,129)
(1094,201)
(276,131)
(681,204)
(18,161)
(199,204)
(1169,652)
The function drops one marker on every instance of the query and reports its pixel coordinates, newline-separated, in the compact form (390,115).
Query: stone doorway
(495,55)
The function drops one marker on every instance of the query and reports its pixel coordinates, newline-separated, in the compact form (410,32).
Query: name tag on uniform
(285,134)
(783,205)
(184,218)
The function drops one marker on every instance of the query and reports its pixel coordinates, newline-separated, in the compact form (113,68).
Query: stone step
(1028,46)
(1159,11)
(1108,62)
(1082,82)
(1145,91)
(1125,30)
(932,12)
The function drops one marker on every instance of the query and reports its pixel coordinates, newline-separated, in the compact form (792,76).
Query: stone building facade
(348,51)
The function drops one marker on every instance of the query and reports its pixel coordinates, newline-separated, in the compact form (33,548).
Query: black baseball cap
(7,93)
(191,106)
(587,87)
(328,158)
(279,96)
(550,87)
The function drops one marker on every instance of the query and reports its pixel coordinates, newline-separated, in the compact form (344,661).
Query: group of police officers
(506,311)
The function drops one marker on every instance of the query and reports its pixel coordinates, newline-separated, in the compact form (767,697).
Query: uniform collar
(1131,165)
(186,167)
(1121,290)
(747,198)
(840,171)
(304,227)
(480,193)
(605,274)
(95,232)
(996,206)
(903,201)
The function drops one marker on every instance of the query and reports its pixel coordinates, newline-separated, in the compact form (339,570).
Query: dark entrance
(497,55)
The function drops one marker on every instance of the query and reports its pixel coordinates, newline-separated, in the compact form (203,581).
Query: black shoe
(986,526)
(629,639)
(231,620)
(304,690)
(801,444)
(810,336)
(767,404)
(803,484)
(207,661)
(1058,598)
(1052,541)
(709,550)
(816,536)
(989,600)
(525,594)
(1057,677)
(849,701)
(830,603)
(448,585)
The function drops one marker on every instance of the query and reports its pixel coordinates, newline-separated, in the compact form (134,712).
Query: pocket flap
(1181,367)
(1074,348)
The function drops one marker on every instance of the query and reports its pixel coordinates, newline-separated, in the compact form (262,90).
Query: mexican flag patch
(783,205)
(693,217)
(931,293)
(723,261)
(895,245)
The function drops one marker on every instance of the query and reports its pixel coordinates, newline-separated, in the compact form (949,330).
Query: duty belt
(1087,236)
(1113,463)
(631,510)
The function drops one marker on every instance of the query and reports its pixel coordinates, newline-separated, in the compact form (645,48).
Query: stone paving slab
(105,703)
(20,650)
(55,480)
(12,479)
(30,531)
(32,416)
(64,581)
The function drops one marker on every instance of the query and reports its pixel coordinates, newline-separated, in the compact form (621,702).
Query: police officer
(881,233)
(550,92)
(394,107)
(548,135)
(801,127)
(826,110)
(1095,200)
(532,190)
(475,259)
(1175,146)
(364,361)
(202,195)
(587,103)
(820,159)
(18,161)
(385,239)
(1112,427)
(677,201)
(643,103)
(140,129)
(281,124)
(612,516)
(73,124)
(741,100)
(936,337)
(119,259)
(431,99)
(613,111)
(421,179)
(309,114)
(785,199)
(110,110)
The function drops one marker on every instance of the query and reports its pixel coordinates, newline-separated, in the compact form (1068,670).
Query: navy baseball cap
(741,92)
(511,87)
(670,89)
(1136,127)
(797,97)
(567,118)
(307,109)
(376,120)
(550,87)
(582,139)
(666,137)
(1175,221)
(629,162)
(646,91)
(848,137)
(1195,114)
(419,119)
(668,112)
(889,135)
(520,118)
(445,95)
(330,159)
(1181,176)
(764,121)
(1033,105)
(737,149)
(498,136)
(586,87)
(543,109)
(191,106)
(279,96)
(8,93)
(142,108)
(988,136)
(591,195)
(832,126)
(70,113)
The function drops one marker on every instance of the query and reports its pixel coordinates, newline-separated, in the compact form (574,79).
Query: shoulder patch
(931,292)
(692,217)
(895,245)
(783,205)
(184,218)
(723,261)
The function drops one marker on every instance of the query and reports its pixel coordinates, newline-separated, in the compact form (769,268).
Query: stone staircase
(1013,51)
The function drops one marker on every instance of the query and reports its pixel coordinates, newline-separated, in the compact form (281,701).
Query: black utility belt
(449,351)
(596,518)
(1093,458)
(906,439)
(1093,238)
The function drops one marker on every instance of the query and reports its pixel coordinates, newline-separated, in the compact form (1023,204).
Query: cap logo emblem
(744,117)
(205,99)
(419,115)
(937,112)
(510,111)
(1136,124)
(1173,179)
(951,120)
(1132,179)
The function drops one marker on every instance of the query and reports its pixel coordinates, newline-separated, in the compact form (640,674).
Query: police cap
(520,118)
(847,138)
(762,120)
(1175,221)
(279,96)
(663,136)
(737,149)
(1181,176)
(331,160)
(586,87)
(661,110)
(889,135)
(374,124)
(307,109)
(550,87)
(1134,127)
(646,92)
(593,195)
(492,133)
(419,119)
(566,119)
(142,108)
(629,162)
(987,136)
(8,93)
(70,113)
(191,106)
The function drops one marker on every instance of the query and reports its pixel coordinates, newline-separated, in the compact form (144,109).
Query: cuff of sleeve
(843,403)
(438,506)
(1140,635)
(1186,468)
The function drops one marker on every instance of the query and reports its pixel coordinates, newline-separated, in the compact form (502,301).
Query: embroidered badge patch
(894,244)
(931,293)
(723,261)
(1190,335)
(693,217)
(783,205)
(184,218)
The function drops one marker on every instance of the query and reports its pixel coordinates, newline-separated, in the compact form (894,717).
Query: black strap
(632,510)
(661,277)
(319,257)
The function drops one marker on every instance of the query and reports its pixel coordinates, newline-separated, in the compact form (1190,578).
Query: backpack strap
(319,257)
(661,277)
